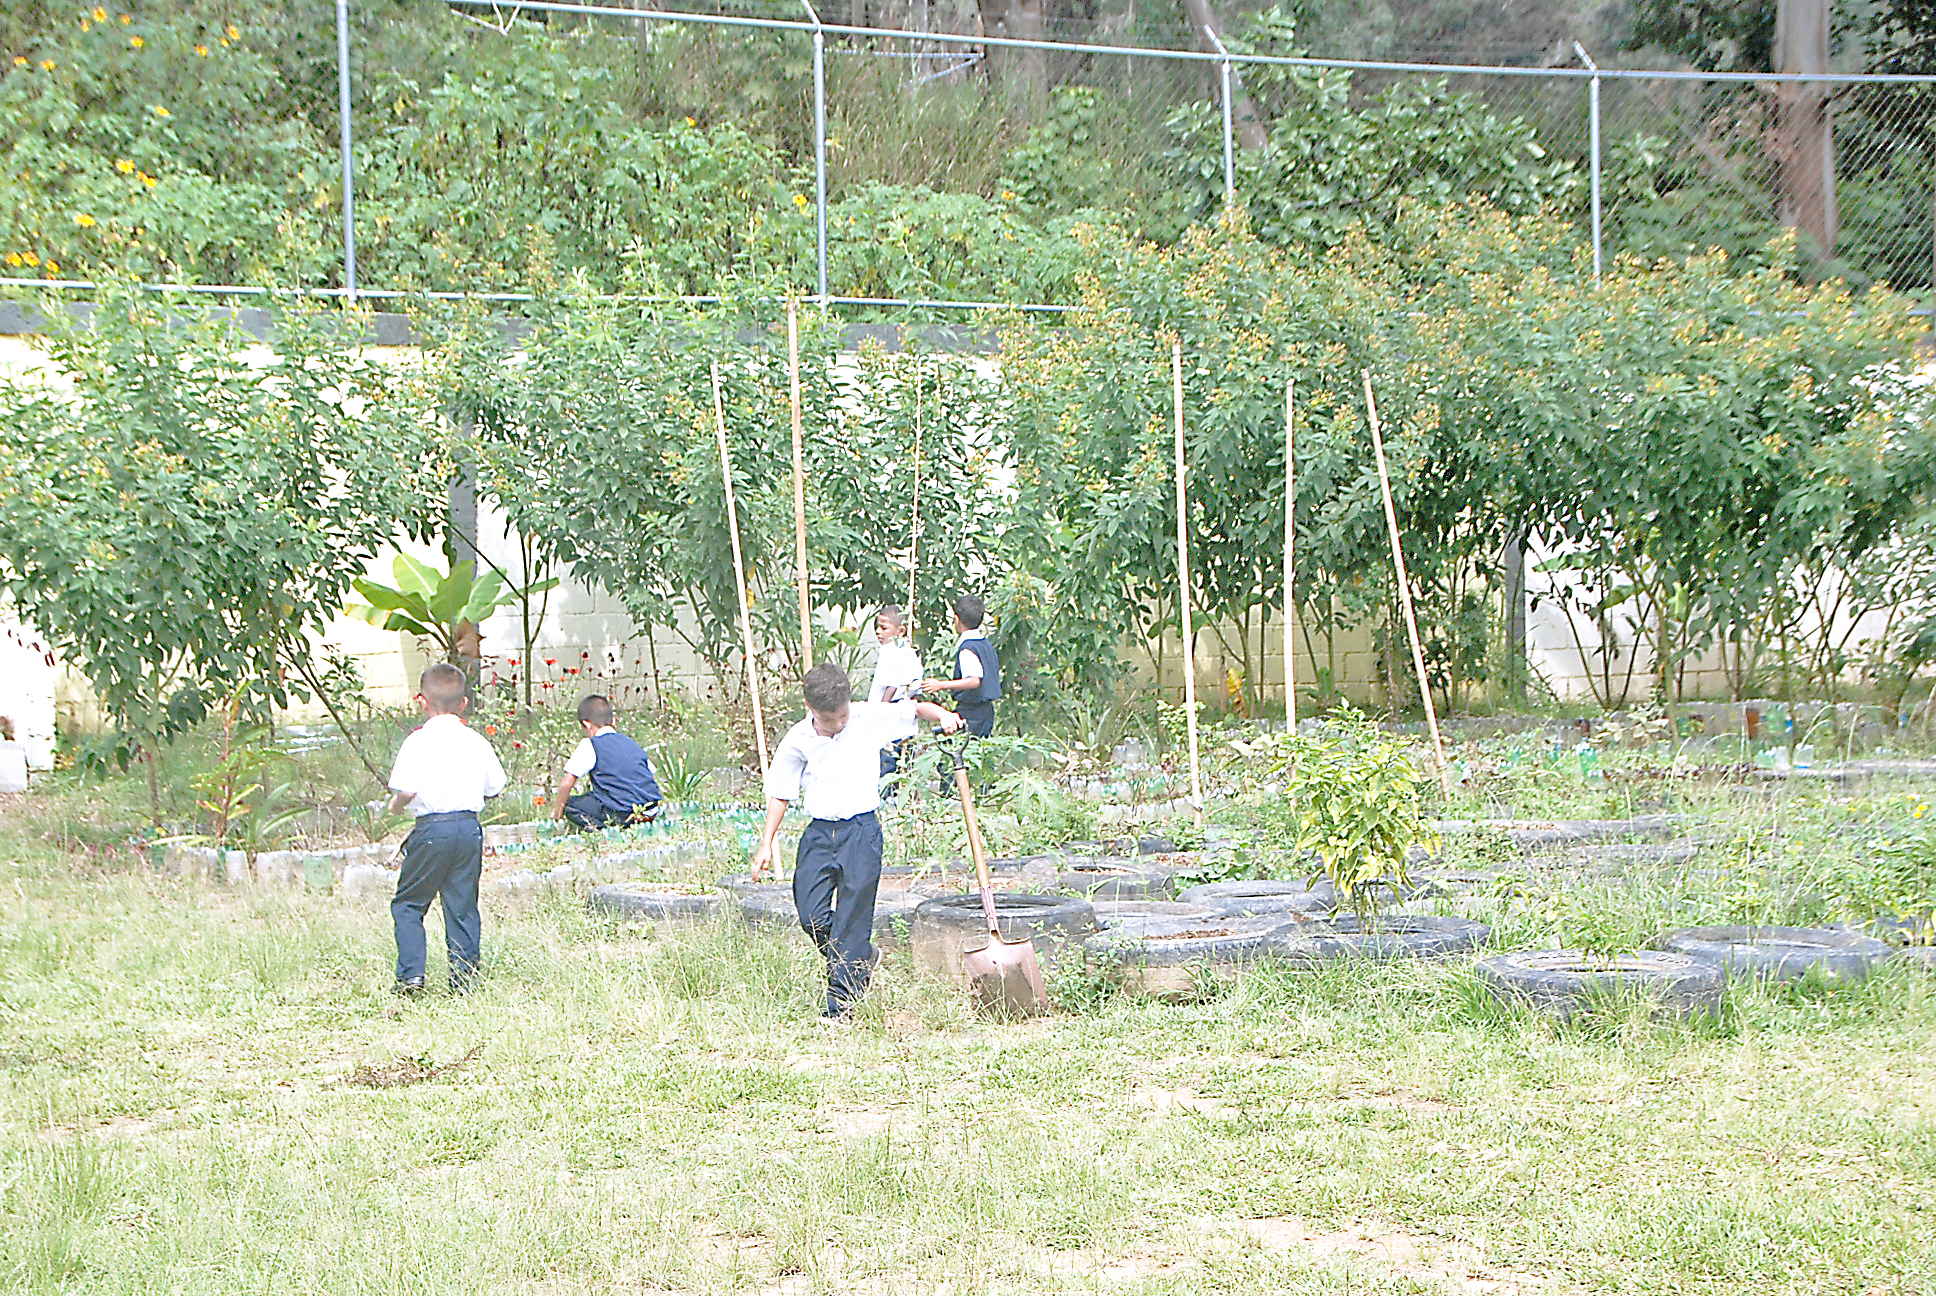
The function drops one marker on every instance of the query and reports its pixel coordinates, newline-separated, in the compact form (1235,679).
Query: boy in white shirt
(443,773)
(829,763)
(897,673)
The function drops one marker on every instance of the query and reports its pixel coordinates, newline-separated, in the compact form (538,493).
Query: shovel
(1003,977)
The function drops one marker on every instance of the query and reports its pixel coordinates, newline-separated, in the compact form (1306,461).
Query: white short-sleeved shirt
(898,667)
(584,756)
(838,777)
(448,766)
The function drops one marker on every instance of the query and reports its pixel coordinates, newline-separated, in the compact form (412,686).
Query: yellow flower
(31,259)
(13,258)
(84,220)
(202,50)
(86,25)
(53,267)
(126,19)
(691,122)
(20,60)
(1007,196)
(124,166)
(233,33)
(47,65)
(147,179)
(136,41)
(162,112)
(100,14)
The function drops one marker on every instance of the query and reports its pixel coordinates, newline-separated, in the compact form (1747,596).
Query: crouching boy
(443,773)
(830,763)
(623,789)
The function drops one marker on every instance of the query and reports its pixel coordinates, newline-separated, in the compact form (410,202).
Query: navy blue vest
(990,687)
(622,776)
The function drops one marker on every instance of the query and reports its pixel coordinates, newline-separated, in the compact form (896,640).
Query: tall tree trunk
(1804,129)
(1246,122)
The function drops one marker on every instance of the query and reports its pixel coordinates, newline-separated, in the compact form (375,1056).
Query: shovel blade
(1006,980)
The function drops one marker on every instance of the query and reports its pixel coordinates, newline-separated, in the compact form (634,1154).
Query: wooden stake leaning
(1405,589)
(739,572)
(799,489)
(914,524)
(1183,590)
(1290,551)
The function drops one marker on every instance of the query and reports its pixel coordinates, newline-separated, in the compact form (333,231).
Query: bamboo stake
(1290,551)
(739,572)
(914,525)
(1183,589)
(799,489)
(1405,590)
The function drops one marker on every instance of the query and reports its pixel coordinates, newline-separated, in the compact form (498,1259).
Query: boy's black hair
(971,610)
(444,687)
(596,709)
(892,612)
(827,688)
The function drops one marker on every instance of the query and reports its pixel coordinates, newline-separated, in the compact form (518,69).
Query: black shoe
(409,987)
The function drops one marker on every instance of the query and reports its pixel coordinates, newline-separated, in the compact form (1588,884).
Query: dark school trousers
(979,717)
(836,873)
(588,811)
(443,859)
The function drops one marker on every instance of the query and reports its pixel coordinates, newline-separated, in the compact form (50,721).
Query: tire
(1098,878)
(1569,832)
(1176,958)
(1155,846)
(770,909)
(1238,899)
(1780,954)
(1442,884)
(1116,913)
(1611,855)
(1562,983)
(947,927)
(1920,956)
(894,918)
(1396,936)
(653,902)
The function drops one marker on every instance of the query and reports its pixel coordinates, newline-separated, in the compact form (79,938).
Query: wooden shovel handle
(975,849)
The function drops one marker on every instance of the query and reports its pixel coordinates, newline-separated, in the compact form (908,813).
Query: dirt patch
(1184,1101)
(409,1071)
(1458,1266)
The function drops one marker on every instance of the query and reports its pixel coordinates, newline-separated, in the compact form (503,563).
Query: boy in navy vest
(978,672)
(623,789)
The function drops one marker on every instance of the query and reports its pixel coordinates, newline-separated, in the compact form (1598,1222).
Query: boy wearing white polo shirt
(443,773)
(897,673)
(830,763)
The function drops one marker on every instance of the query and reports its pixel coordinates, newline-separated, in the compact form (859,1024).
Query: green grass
(660,1112)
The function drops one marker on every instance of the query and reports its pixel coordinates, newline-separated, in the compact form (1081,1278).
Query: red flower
(518,745)
(551,661)
(490,729)
(510,661)
(584,656)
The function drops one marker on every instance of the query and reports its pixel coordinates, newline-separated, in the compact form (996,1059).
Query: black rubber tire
(894,918)
(770,909)
(1115,913)
(1446,883)
(1173,942)
(653,902)
(1155,846)
(1562,983)
(1239,899)
(1780,954)
(742,884)
(947,927)
(1922,956)
(1396,936)
(1618,853)
(1114,878)
(1572,832)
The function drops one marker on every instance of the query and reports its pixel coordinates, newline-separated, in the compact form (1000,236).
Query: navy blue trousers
(588,811)
(836,873)
(979,717)
(443,860)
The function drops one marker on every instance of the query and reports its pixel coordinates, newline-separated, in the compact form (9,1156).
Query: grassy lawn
(193,1099)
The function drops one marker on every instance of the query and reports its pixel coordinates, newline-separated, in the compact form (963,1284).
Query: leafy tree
(184,512)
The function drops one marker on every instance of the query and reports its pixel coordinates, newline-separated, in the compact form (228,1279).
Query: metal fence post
(819,150)
(1593,147)
(349,184)
(1229,145)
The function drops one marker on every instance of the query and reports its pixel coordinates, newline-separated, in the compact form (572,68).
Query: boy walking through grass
(830,763)
(443,774)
